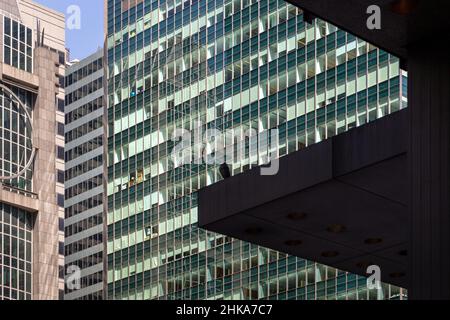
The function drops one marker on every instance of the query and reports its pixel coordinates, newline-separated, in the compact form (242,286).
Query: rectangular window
(60,103)
(61,224)
(61,248)
(60,129)
(60,152)
(60,200)
(60,176)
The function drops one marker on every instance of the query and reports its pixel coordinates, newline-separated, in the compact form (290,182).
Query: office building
(84,177)
(32,64)
(222,64)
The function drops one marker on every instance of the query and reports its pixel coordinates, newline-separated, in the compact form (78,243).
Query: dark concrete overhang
(341,202)
(404,23)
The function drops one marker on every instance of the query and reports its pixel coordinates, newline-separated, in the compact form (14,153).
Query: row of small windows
(89,280)
(84,110)
(84,205)
(84,148)
(84,167)
(92,296)
(84,244)
(84,129)
(84,72)
(84,186)
(83,225)
(84,91)
(87,262)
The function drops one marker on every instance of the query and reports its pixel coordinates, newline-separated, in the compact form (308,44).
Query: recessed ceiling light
(293,243)
(330,254)
(336,228)
(397,275)
(253,230)
(373,241)
(364,264)
(404,7)
(296,216)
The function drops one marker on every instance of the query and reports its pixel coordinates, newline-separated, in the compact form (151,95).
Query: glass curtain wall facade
(84,176)
(223,64)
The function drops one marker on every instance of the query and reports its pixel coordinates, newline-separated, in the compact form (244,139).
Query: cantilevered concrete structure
(379,194)
(341,202)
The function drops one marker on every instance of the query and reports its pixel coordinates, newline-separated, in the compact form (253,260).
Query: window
(61,248)
(60,103)
(60,129)
(62,57)
(17,45)
(61,81)
(60,176)
(61,224)
(60,200)
(60,152)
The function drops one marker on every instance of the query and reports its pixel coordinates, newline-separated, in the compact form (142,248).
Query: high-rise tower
(223,64)
(84,177)
(32,64)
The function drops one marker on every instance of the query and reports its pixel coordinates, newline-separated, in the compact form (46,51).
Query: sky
(86,40)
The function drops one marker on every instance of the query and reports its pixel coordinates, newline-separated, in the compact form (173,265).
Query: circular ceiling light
(404,7)
(296,216)
(373,241)
(336,228)
(397,275)
(253,231)
(293,243)
(330,254)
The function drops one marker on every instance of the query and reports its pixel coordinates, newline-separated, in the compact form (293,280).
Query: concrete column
(429,102)
(45,234)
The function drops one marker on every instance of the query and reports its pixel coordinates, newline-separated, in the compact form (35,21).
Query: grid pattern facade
(16,232)
(224,64)
(84,176)
(17,45)
(16,133)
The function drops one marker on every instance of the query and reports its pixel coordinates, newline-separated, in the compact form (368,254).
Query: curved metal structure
(34,149)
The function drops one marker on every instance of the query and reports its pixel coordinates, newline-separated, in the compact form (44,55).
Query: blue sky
(89,37)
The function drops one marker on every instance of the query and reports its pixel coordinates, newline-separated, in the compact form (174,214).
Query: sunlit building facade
(32,66)
(219,64)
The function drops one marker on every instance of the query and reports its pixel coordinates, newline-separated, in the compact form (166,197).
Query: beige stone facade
(44,83)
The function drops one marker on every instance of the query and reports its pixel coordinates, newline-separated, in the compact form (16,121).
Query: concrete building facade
(84,176)
(32,66)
